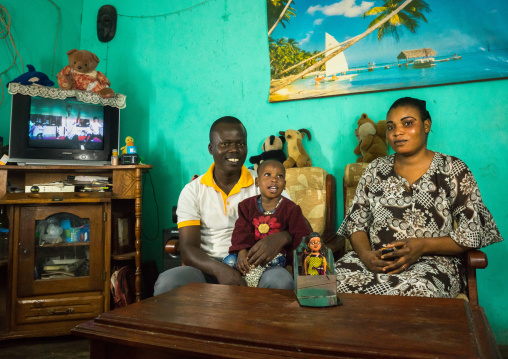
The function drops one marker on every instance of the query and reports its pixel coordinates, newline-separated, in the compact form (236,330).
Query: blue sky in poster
(453,27)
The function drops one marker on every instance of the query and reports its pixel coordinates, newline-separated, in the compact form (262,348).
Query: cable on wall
(5,33)
(56,38)
(166,14)
(156,206)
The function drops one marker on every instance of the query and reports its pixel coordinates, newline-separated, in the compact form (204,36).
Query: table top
(255,322)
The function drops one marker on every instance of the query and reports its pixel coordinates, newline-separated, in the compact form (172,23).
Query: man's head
(228,144)
(271,178)
(68,108)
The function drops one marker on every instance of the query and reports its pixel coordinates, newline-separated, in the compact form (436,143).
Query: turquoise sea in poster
(469,38)
(470,67)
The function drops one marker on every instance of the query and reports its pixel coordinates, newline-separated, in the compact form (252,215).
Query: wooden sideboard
(57,277)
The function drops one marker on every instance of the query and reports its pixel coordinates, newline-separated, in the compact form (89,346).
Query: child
(262,215)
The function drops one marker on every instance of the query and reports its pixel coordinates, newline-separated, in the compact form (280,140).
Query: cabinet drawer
(58,308)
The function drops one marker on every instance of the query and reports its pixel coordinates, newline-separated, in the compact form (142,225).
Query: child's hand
(242,264)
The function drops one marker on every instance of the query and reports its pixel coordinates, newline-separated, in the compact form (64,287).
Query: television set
(62,131)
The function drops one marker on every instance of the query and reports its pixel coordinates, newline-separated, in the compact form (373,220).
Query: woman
(422,205)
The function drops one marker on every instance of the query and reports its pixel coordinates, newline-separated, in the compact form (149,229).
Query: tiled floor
(66,347)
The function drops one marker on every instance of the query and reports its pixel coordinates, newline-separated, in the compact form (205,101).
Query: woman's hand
(408,252)
(373,261)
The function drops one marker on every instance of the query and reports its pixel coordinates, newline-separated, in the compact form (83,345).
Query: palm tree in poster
(278,11)
(290,79)
(408,17)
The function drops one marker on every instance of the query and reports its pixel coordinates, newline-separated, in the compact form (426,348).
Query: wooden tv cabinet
(62,246)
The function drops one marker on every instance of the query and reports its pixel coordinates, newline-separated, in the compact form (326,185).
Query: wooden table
(217,321)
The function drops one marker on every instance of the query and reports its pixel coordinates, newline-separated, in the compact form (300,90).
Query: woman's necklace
(260,206)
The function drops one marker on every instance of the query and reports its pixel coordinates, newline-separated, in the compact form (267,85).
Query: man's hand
(267,248)
(193,255)
(228,275)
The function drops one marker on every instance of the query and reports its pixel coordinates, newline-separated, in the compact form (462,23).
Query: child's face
(271,179)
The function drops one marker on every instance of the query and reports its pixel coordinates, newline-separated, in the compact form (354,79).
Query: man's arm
(193,255)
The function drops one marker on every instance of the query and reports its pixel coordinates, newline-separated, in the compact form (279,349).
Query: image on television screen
(65,124)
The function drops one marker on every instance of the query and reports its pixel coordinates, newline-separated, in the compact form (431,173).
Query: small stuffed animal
(273,148)
(297,156)
(371,139)
(33,77)
(129,141)
(80,74)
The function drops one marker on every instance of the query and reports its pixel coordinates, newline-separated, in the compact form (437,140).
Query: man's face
(69,110)
(228,147)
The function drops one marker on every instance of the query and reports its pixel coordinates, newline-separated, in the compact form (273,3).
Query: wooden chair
(475,259)
(315,191)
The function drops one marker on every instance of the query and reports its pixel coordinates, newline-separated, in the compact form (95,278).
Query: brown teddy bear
(371,139)
(80,74)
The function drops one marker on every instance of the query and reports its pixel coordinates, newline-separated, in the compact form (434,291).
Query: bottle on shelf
(114,158)
(4,234)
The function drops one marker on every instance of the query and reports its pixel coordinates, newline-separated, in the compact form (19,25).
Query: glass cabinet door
(60,249)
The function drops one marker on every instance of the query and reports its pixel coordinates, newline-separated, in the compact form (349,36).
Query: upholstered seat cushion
(307,188)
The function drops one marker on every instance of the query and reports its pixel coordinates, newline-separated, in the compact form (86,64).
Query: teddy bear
(272,149)
(81,74)
(371,139)
(297,156)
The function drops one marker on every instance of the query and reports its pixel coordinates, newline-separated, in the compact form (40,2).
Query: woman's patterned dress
(445,201)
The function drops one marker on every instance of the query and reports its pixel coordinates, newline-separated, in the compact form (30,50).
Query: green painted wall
(183,64)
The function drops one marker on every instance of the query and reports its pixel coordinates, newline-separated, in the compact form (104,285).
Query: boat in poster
(336,67)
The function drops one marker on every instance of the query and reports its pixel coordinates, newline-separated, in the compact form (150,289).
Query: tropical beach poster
(321,48)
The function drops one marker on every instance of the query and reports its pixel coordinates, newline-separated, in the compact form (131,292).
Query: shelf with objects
(62,245)
(70,215)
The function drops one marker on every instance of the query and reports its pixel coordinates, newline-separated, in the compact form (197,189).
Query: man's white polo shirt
(202,203)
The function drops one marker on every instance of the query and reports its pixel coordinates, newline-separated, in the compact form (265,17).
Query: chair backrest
(307,188)
(314,190)
(352,174)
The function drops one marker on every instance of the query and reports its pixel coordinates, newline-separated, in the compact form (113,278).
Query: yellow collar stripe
(246,180)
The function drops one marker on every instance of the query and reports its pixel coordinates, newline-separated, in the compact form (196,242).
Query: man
(207,211)
(95,131)
(71,130)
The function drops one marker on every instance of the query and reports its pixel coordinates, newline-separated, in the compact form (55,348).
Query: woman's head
(420,105)
(408,124)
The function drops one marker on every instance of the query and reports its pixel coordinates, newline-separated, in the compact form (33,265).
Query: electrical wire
(166,14)
(156,207)
(56,38)
(5,33)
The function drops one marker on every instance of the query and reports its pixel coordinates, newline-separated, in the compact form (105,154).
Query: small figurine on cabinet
(315,261)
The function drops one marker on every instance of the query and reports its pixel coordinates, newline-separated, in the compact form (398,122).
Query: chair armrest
(172,247)
(477,259)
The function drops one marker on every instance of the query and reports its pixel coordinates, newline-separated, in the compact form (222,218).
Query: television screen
(66,125)
(62,131)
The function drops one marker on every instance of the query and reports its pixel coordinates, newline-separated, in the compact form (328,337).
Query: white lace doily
(117,101)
